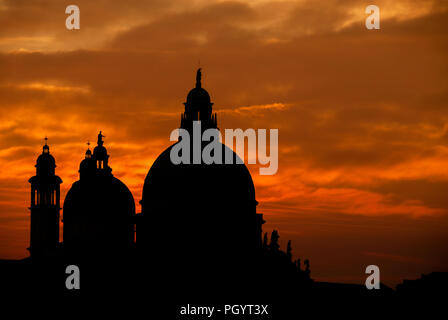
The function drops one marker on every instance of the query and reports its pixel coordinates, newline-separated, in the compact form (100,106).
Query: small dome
(198,96)
(45,159)
(99,208)
(45,163)
(88,164)
(98,214)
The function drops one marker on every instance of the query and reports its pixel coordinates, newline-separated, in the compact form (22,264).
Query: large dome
(203,212)
(166,182)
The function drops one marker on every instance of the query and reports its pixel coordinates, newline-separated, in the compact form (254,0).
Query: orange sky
(362,115)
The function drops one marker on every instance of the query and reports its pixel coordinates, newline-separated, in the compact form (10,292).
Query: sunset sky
(362,114)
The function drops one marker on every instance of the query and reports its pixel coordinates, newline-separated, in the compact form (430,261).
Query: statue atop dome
(100,139)
(198,78)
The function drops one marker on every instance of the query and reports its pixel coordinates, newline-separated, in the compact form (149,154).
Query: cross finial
(45,148)
(88,144)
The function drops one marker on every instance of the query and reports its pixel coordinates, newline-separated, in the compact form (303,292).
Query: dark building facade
(198,236)
(205,208)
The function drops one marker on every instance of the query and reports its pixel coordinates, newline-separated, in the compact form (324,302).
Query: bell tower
(45,205)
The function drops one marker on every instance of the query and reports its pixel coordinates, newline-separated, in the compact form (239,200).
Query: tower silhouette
(198,107)
(45,205)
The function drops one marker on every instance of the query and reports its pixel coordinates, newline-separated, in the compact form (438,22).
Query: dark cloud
(33,17)
(431,193)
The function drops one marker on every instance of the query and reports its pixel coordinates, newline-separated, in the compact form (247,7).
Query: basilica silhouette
(198,222)
(198,237)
